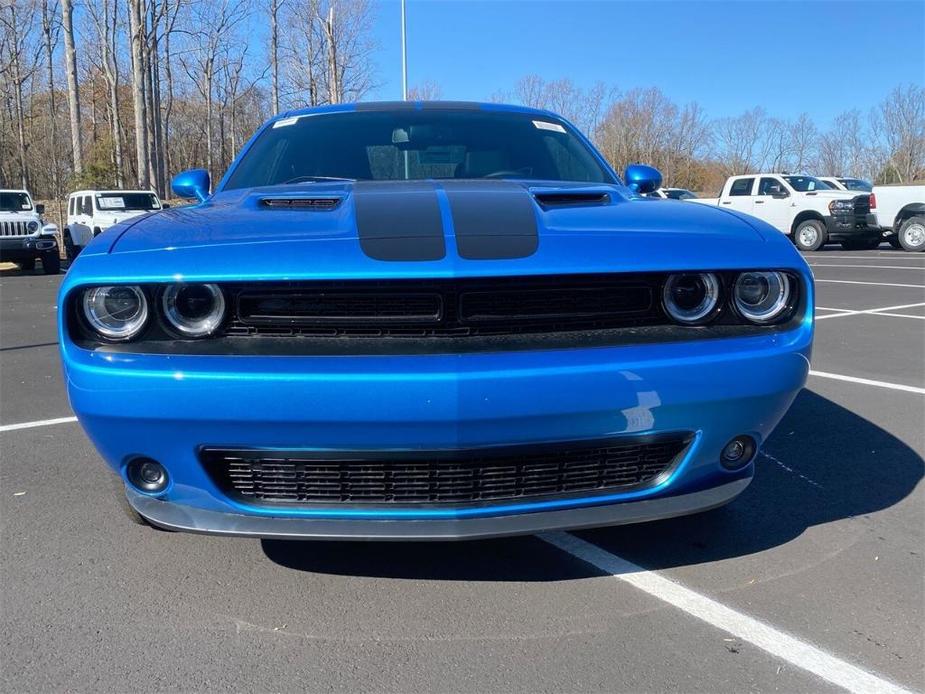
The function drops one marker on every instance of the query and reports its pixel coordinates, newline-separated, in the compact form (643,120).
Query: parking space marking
(869,382)
(897,257)
(869,311)
(898,315)
(38,423)
(872,267)
(778,643)
(874,284)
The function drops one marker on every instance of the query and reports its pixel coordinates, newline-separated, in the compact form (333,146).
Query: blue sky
(789,57)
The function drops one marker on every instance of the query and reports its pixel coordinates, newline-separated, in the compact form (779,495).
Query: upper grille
(415,478)
(14,229)
(446,308)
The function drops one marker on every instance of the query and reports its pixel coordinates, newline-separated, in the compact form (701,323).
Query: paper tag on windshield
(110,203)
(546,125)
(285,121)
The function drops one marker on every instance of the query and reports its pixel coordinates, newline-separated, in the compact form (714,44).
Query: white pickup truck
(900,211)
(804,208)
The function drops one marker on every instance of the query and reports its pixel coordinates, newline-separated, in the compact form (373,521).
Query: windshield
(856,184)
(416,144)
(117,201)
(15,202)
(806,184)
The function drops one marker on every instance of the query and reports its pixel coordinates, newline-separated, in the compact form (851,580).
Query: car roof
(416,106)
(109,190)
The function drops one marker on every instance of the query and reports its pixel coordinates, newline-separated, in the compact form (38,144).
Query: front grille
(14,229)
(439,478)
(862,205)
(446,308)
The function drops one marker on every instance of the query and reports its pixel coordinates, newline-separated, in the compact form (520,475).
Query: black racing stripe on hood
(399,221)
(493,220)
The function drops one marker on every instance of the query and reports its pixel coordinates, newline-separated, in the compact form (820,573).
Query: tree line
(112,93)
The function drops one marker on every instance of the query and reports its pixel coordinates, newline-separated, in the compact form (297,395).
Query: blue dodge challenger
(431,321)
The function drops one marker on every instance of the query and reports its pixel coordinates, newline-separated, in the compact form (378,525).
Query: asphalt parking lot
(825,546)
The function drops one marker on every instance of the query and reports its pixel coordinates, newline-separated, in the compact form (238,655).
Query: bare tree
(426,91)
(17,26)
(900,122)
(73,93)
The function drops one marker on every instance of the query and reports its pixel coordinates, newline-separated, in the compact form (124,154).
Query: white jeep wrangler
(24,237)
(91,212)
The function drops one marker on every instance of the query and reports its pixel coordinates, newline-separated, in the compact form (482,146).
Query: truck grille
(446,308)
(14,229)
(465,477)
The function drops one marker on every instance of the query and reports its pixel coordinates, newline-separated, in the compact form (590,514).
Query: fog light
(147,475)
(738,452)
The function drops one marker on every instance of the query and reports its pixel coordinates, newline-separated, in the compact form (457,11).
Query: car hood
(375,229)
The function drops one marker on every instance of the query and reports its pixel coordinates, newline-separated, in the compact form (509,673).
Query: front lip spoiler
(191,519)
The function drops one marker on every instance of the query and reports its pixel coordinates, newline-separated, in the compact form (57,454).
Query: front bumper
(853,227)
(15,248)
(168,406)
(197,520)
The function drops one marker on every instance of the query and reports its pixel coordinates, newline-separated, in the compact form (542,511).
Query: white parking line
(898,315)
(778,643)
(869,382)
(873,284)
(884,255)
(873,267)
(868,311)
(39,423)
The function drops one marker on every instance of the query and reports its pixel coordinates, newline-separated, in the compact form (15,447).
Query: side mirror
(642,179)
(192,184)
(40,209)
(165,205)
(780,194)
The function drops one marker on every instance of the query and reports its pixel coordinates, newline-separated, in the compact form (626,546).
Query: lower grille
(415,478)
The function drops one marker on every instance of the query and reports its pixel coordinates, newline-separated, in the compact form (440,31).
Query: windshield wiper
(315,179)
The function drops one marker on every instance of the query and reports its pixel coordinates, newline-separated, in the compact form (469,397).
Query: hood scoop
(319,203)
(582,198)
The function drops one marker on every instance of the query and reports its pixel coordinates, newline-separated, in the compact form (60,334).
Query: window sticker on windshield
(25,206)
(546,125)
(285,121)
(110,203)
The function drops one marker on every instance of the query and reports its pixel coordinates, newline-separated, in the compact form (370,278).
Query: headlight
(195,310)
(692,297)
(33,226)
(761,297)
(117,313)
(841,206)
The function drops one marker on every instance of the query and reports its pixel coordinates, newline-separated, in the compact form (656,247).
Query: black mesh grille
(447,308)
(862,204)
(271,477)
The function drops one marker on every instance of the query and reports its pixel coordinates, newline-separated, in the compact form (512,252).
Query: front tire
(912,234)
(51,262)
(809,235)
(70,250)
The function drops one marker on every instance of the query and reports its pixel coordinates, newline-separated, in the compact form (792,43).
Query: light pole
(404,56)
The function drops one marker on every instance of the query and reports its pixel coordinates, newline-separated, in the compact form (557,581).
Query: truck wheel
(51,263)
(855,245)
(70,250)
(27,265)
(912,234)
(809,235)
(894,242)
